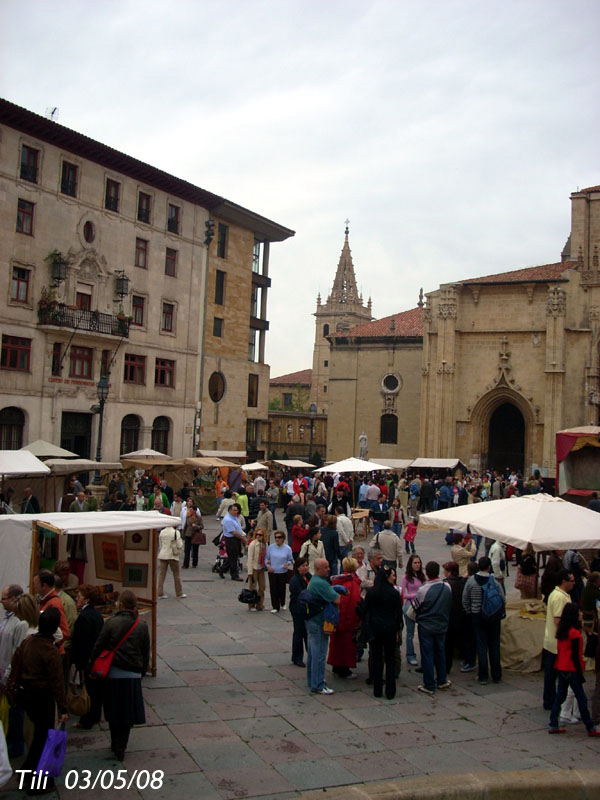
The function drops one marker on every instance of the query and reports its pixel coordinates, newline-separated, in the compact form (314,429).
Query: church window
(389,429)
(326,330)
(391,383)
(326,363)
(287,400)
(216,387)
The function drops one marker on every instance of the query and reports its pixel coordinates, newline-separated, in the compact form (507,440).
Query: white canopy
(394,463)
(15,534)
(223,453)
(436,463)
(294,463)
(65,466)
(43,449)
(352,465)
(255,466)
(21,463)
(147,454)
(545,522)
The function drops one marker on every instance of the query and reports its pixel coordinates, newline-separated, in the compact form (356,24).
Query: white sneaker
(274,611)
(325,690)
(163,597)
(284,608)
(253,609)
(569,720)
(181,596)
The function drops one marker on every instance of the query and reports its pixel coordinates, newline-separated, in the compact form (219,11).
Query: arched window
(160,435)
(12,422)
(130,434)
(389,429)
(326,330)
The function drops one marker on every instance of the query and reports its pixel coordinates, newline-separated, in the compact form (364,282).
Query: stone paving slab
(320,772)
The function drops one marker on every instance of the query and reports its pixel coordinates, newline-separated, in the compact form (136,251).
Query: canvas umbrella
(545,522)
(42,449)
(352,465)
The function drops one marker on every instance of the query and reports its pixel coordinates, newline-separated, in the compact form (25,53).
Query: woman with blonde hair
(257,550)
(26,608)
(122,689)
(342,648)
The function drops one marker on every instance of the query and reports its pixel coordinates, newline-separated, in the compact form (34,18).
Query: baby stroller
(221,564)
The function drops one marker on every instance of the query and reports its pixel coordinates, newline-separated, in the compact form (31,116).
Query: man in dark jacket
(432,606)
(378,513)
(86,630)
(487,629)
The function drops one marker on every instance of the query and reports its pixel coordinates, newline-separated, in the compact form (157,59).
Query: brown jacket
(37,663)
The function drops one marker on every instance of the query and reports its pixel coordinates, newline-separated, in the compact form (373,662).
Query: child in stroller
(221,564)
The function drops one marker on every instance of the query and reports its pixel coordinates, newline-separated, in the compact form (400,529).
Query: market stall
(121,549)
(578,463)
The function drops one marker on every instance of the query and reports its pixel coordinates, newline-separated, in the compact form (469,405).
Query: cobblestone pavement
(228,715)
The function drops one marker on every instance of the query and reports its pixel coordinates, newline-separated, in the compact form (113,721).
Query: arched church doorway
(507,438)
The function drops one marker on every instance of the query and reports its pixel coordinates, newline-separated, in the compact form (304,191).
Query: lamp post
(312,412)
(101,393)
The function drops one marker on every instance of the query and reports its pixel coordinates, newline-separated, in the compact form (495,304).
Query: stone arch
(481,417)
(12,428)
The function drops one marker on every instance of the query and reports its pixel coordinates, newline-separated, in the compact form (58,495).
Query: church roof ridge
(405,323)
(543,272)
(294,378)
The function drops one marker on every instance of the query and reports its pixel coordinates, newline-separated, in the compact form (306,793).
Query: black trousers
(383,653)
(188,548)
(277,584)
(298,639)
(232,545)
(39,706)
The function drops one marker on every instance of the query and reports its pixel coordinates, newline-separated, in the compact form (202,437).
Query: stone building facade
(107,272)
(512,358)
(288,432)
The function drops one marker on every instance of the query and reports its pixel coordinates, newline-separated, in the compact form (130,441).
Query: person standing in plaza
(485,625)
(192,535)
(279,561)
(342,647)
(170,545)
(383,617)
(412,580)
(257,550)
(318,641)
(312,548)
(432,607)
(557,600)
(300,581)
(389,544)
(234,538)
(379,513)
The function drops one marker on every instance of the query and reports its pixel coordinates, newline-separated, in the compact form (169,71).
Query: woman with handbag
(170,546)
(193,536)
(257,550)
(126,637)
(312,548)
(36,683)
(383,611)
(86,630)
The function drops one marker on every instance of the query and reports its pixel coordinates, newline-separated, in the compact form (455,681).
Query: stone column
(555,371)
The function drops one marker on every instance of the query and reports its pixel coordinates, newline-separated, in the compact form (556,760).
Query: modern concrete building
(111,270)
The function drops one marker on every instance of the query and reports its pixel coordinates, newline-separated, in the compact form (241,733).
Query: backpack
(309,605)
(492,604)
(528,565)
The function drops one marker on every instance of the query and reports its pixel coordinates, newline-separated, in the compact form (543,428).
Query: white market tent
(545,522)
(43,449)
(294,464)
(21,463)
(147,454)
(68,466)
(352,465)
(255,466)
(436,463)
(394,463)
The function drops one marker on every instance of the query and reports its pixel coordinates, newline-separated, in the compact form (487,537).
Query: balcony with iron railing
(63,316)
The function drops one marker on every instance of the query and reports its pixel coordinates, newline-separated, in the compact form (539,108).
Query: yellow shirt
(556,602)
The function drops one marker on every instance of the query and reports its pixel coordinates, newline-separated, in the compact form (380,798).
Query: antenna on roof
(52,113)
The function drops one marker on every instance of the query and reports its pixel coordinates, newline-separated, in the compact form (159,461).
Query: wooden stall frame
(35,562)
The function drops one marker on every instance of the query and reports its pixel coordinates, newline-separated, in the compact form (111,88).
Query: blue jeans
(317,646)
(549,679)
(433,657)
(272,509)
(408,546)
(566,679)
(409,627)
(487,635)
(377,526)
(397,528)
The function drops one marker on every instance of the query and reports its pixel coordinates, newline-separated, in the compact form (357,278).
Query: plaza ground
(228,715)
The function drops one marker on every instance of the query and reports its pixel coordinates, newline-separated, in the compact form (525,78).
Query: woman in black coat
(122,689)
(86,630)
(383,613)
(299,582)
(331,542)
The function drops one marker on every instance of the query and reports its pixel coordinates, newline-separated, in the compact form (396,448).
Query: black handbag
(217,540)
(591,646)
(249,596)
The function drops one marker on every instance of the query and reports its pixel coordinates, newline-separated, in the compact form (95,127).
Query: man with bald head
(318,642)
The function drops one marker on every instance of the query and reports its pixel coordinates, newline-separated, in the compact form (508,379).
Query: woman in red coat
(342,648)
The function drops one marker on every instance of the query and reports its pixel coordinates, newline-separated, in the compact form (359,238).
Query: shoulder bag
(103,662)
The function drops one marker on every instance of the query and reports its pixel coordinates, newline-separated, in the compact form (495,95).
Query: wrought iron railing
(64,317)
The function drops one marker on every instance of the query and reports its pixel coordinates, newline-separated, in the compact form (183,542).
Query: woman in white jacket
(170,546)
(312,549)
(256,567)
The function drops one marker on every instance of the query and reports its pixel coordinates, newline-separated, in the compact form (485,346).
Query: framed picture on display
(137,540)
(108,555)
(136,576)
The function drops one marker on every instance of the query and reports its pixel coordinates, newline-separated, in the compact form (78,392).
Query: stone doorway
(76,433)
(506,446)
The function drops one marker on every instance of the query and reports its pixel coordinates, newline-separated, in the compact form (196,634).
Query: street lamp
(312,412)
(102,390)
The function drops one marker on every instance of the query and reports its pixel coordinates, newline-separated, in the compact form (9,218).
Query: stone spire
(344,285)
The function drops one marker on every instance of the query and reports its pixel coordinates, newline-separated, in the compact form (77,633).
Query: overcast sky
(449,132)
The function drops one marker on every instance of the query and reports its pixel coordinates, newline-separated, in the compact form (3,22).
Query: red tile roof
(546,272)
(407,323)
(304,376)
(590,189)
